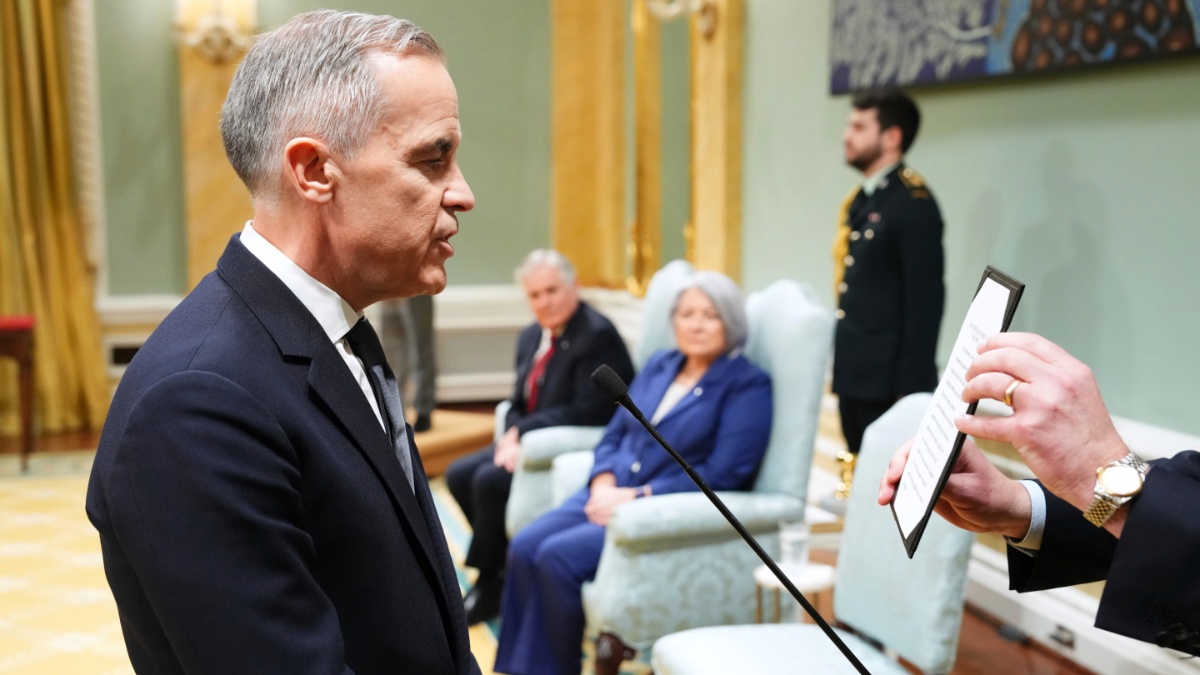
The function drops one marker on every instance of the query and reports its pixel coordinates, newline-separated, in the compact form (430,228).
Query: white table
(811,579)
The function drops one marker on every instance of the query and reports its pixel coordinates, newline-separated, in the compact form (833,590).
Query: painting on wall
(877,43)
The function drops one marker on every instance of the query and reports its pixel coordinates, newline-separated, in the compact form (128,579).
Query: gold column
(216,203)
(717,51)
(588,138)
(645,237)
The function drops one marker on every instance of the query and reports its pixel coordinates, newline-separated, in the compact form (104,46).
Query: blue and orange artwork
(876,43)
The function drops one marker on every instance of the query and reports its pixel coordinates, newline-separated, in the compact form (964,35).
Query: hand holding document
(937,442)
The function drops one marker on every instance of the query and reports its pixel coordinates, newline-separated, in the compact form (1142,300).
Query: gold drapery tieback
(841,242)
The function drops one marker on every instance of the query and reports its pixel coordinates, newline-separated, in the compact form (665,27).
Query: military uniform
(890,299)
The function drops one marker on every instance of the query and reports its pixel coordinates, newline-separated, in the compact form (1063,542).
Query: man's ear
(310,169)
(892,138)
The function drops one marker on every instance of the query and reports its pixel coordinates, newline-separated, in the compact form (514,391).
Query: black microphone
(611,384)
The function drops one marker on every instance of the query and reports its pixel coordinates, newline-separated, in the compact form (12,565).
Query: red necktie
(536,375)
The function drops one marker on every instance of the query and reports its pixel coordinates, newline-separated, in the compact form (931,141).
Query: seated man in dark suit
(1096,512)
(555,359)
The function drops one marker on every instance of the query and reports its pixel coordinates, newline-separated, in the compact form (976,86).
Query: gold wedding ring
(1008,393)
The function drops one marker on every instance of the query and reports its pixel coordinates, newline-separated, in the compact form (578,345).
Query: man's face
(552,301)
(397,200)
(863,140)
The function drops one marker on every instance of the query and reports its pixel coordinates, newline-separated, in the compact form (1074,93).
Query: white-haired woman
(713,406)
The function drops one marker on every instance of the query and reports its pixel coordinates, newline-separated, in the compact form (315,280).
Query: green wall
(498,53)
(1081,187)
(138,70)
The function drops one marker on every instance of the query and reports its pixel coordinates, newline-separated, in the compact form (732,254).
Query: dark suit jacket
(252,513)
(1152,577)
(721,428)
(891,308)
(567,395)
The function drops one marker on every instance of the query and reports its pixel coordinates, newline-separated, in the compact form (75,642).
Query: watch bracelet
(1102,507)
(1100,511)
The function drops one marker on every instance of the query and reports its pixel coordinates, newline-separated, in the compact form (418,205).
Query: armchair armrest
(540,446)
(688,519)
(532,492)
(570,475)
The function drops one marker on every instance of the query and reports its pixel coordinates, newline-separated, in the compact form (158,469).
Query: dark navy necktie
(365,344)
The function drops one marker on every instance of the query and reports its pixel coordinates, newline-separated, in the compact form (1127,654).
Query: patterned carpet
(56,613)
(57,616)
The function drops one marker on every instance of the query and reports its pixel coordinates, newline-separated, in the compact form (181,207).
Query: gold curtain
(43,265)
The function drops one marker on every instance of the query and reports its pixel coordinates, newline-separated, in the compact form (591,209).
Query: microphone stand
(741,529)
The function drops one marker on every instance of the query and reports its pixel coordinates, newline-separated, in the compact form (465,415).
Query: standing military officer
(887,269)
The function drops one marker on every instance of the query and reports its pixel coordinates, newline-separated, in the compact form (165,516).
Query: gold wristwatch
(1116,484)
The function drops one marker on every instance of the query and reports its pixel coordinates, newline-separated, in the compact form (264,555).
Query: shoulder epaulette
(911,179)
(919,193)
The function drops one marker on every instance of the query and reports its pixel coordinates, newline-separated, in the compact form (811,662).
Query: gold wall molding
(645,232)
(588,138)
(716,85)
(588,154)
(216,203)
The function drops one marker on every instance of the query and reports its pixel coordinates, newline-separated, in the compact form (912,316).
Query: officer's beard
(865,157)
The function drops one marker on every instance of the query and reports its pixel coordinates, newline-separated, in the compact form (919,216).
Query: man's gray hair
(312,76)
(546,257)
(726,297)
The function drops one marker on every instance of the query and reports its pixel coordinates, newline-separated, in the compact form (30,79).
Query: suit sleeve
(606,450)
(1073,551)
(1151,590)
(922,265)
(623,422)
(742,435)
(587,406)
(212,517)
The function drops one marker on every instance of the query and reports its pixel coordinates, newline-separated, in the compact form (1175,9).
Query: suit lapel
(299,336)
(706,387)
(331,381)
(659,381)
(563,344)
(453,613)
(526,348)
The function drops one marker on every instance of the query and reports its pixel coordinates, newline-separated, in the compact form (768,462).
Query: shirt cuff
(1032,542)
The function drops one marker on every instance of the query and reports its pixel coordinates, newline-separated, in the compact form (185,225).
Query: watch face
(1120,480)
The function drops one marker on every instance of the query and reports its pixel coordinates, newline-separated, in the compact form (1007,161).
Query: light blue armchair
(912,607)
(673,562)
(532,493)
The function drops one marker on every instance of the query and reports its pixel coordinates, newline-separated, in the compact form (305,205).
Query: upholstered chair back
(657,329)
(791,337)
(913,607)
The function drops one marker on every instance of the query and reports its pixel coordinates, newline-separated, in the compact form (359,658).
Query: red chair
(16,341)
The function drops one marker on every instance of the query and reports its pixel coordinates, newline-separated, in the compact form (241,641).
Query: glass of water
(793,543)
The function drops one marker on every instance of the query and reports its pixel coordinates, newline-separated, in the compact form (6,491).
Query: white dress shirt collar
(871,183)
(333,313)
